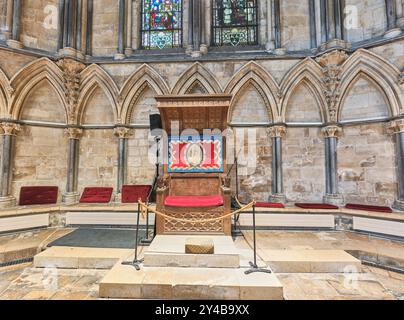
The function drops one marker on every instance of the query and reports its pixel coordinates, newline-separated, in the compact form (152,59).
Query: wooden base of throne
(166,226)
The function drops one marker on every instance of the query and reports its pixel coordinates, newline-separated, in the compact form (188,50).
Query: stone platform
(169,251)
(169,273)
(124,282)
(311,261)
(80,258)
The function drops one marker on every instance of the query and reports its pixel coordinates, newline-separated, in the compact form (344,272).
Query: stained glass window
(234,22)
(161,24)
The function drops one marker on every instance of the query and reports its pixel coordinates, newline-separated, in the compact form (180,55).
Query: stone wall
(3,11)
(39,24)
(364,101)
(366,167)
(141,158)
(40,159)
(372,20)
(43,104)
(302,107)
(304,165)
(255,158)
(98,159)
(105,28)
(295,25)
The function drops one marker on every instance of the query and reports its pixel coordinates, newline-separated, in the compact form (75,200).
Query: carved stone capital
(331,132)
(123,132)
(277,131)
(333,58)
(72,78)
(396,126)
(74,133)
(9,129)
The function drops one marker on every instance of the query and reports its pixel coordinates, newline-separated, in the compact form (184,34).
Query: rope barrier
(145,207)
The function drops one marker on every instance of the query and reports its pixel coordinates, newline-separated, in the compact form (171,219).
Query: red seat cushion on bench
(316,206)
(368,208)
(269,205)
(96,195)
(131,194)
(194,201)
(38,195)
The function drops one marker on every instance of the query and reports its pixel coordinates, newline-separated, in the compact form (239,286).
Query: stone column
(14,41)
(277,133)
(205,25)
(270,45)
(190,46)
(89,28)
(7,133)
(72,196)
(9,20)
(277,28)
(313,24)
(123,134)
(120,55)
(397,129)
(129,10)
(70,41)
(400,20)
(332,24)
(391,13)
(79,18)
(331,135)
(137,26)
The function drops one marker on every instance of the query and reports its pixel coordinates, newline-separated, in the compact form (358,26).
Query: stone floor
(25,282)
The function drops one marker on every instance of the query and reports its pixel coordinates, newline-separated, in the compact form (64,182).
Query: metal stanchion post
(136,262)
(254,266)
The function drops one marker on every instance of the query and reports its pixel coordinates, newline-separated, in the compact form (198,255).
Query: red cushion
(131,194)
(269,205)
(38,195)
(316,206)
(96,195)
(368,208)
(194,201)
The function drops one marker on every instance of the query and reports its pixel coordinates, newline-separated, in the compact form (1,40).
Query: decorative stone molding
(9,129)
(331,63)
(396,126)
(123,132)
(74,133)
(277,131)
(7,202)
(332,132)
(334,44)
(71,78)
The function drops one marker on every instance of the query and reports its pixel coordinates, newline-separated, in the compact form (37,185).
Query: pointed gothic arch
(380,72)
(254,74)
(95,77)
(30,76)
(196,73)
(135,85)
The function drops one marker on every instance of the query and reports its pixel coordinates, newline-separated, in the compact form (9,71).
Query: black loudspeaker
(155,123)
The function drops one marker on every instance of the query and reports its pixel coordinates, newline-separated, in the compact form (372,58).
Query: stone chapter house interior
(318,83)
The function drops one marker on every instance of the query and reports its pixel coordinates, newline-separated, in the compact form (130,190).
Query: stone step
(125,282)
(80,258)
(311,261)
(169,251)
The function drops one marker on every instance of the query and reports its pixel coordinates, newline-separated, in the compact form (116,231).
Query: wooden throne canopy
(197,112)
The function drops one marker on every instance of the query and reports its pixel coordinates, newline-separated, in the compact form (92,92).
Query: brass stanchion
(254,266)
(136,262)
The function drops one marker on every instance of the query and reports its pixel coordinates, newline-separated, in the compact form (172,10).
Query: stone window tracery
(161,24)
(234,22)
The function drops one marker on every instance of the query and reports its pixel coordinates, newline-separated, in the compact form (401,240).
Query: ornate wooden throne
(194,185)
